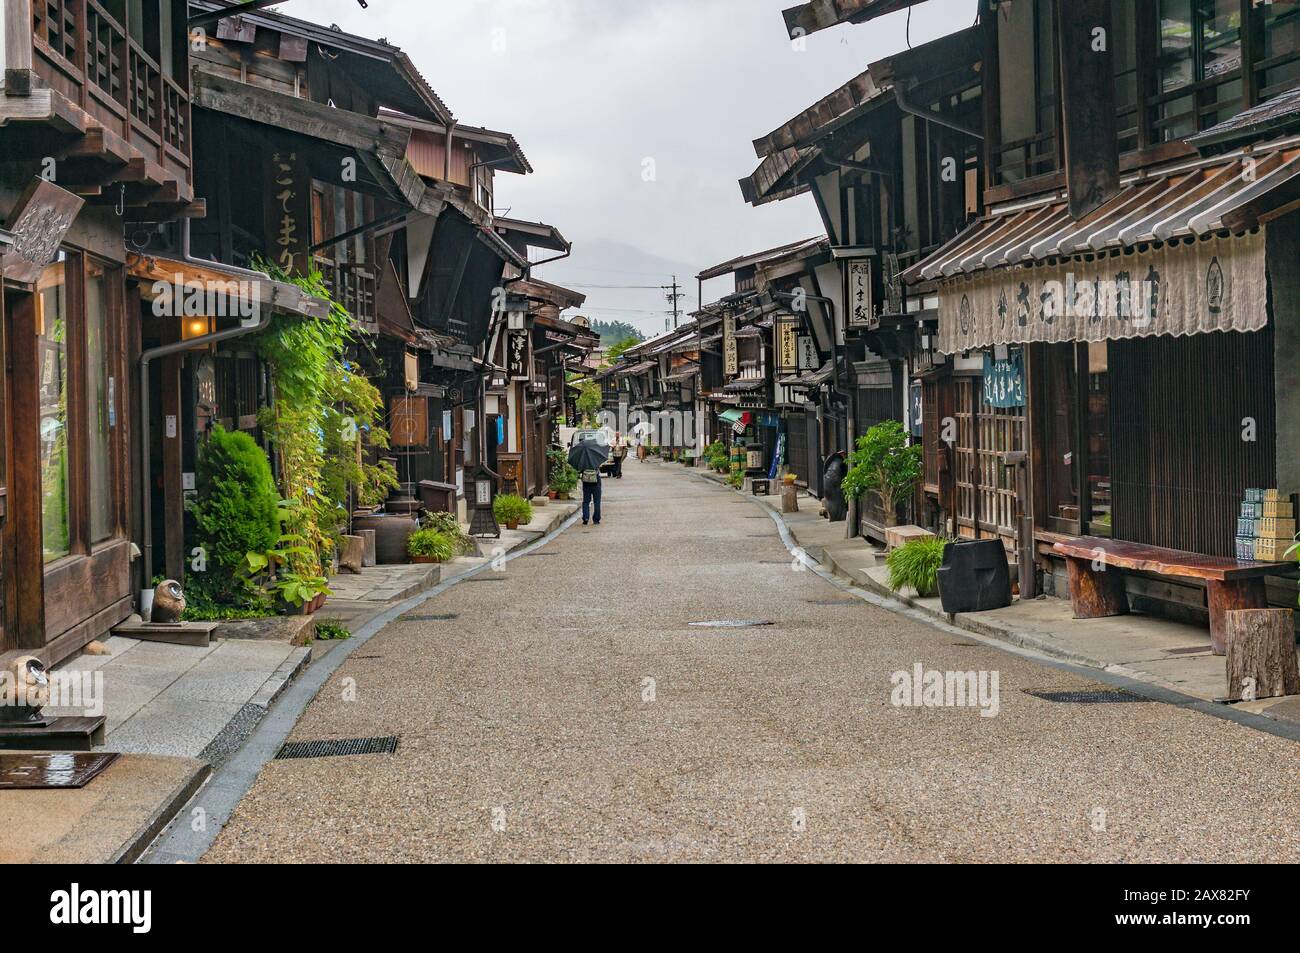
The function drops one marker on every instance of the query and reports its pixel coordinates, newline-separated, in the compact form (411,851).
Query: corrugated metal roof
(1194,200)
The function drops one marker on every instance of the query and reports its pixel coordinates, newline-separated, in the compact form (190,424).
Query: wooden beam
(1088,101)
(18,47)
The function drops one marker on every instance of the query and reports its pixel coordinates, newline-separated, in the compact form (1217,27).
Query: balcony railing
(353,287)
(88,55)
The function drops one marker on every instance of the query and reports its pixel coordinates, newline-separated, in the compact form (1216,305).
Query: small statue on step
(24,690)
(168,602)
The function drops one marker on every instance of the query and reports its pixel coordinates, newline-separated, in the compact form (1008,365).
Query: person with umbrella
(587,456)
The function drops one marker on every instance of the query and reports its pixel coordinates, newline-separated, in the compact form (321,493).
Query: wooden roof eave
(378,144)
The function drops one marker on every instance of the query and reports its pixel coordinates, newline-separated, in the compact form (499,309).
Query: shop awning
(1178,254)
(810,378)
(638,368)
(744,386)
(684,372)
(211,289)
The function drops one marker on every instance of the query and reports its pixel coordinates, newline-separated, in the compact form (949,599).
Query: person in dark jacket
(591,496)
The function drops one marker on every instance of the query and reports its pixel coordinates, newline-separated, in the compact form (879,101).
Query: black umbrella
(588,454)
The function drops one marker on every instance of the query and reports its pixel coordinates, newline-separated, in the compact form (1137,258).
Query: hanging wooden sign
(410,421)
(39,221)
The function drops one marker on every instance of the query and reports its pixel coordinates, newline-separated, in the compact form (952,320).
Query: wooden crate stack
(1266,526)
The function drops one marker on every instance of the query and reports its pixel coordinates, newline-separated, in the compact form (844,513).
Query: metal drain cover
(829,602)
(1188,650)
(487,579)
(731,623)
(65,769)
(1101,697)
(445,617)
(337,748)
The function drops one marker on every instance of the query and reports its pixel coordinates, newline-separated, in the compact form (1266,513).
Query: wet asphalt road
(569,713)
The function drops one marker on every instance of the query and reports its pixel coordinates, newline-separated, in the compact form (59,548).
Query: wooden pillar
(1225,596)
(25,568)
(173,496)
(1095,594)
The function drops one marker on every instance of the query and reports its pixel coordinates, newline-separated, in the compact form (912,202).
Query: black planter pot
(974,576)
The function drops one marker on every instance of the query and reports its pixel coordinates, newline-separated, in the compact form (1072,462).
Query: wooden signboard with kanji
(39,221)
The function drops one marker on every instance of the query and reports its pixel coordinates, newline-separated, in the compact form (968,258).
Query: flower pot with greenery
(916,564)
(512,510)
(883,464)
(430,545)
(563,479)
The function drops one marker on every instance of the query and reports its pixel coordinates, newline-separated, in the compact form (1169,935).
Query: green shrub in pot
(512,510)
(916,564)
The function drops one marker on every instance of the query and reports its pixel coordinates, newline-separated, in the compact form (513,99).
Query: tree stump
(789,498)
(1261,659)
(352,553)
(368,535)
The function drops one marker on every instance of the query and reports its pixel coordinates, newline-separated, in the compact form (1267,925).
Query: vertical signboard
(288,212)
(787,345)
(731,357)
(862,312)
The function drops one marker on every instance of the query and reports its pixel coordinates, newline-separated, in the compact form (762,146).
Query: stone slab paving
(175,699)
(572,712)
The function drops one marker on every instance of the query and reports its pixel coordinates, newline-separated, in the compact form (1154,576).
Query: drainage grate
(529,555)
(828,602)
(1100,697)
(357,658)
(487,579)
(337,748)
(731,623)
(1187,650)
(445,617)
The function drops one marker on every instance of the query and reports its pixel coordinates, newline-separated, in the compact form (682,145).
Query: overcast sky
(597,90)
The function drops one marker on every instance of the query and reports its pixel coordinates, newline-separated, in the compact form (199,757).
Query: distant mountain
(614,332)
(624,284)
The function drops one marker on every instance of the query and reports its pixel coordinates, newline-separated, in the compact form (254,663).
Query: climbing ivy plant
(324,417)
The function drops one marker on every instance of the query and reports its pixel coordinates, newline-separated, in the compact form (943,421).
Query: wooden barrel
(391,534)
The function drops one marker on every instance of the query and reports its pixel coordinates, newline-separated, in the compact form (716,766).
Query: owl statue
(24,689)
(168,602)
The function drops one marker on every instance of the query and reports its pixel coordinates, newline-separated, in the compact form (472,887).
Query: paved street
(530,730)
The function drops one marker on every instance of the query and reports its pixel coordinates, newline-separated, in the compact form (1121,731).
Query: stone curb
(133,849)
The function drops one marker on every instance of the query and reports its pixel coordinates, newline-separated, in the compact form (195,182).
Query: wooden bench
(1099,592)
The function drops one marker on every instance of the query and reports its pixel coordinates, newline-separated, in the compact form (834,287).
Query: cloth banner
(1176,289)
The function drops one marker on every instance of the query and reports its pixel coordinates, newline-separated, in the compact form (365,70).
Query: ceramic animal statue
(168,602)
(24,688)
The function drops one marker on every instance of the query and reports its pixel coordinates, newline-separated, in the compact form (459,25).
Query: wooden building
(892,160)
(1122,308)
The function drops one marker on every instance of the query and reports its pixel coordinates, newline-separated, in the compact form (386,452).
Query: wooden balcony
(125,123)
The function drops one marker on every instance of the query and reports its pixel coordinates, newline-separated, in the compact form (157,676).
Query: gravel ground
(530,730)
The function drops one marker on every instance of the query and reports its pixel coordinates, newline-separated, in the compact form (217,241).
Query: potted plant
(512,510)
(916,564)
(885,465)
(430,545)
(563,480)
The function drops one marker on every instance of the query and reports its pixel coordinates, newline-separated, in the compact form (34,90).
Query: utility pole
(673,296)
